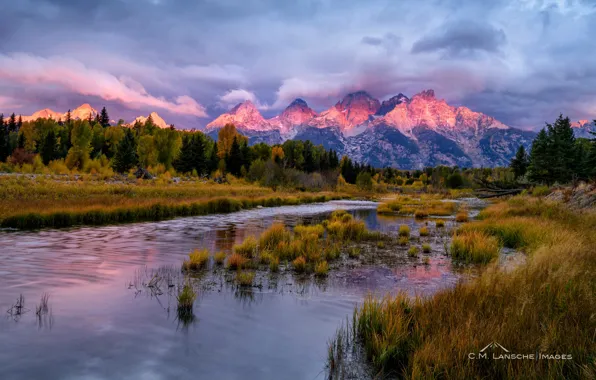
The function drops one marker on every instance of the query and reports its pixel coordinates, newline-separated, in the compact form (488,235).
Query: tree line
(556,156)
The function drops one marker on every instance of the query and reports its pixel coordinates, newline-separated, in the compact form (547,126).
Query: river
(102,323)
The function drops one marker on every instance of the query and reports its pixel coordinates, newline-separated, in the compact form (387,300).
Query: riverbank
(37,202)
(545,306)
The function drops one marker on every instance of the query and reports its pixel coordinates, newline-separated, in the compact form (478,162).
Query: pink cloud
(73,76)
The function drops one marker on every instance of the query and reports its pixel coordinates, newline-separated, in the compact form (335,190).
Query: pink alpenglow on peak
(80,113)
(244,116)
(157,120)
(296,114)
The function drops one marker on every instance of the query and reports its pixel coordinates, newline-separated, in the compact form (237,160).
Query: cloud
(462,37)
(389,42)
(233,97)
(73,76)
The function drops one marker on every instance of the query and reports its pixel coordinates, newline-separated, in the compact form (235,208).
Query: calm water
(104,324)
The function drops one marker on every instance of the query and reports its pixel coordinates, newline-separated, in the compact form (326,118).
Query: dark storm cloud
(462,37)
(516,60)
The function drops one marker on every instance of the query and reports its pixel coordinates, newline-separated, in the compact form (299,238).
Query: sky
(522,62)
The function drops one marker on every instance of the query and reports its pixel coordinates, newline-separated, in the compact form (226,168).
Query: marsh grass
(424,231)
(43,307)
(403,241)
(236,261)
(426,261)
(462,216)
(404,230)
(426,248)
(186,298)
(197,259)
(413,251)
(274,264)
(299,264)
(321,268)
(439,223)
(354,252)
(426,205)
(248,247)
(245,278)
(40,203)
(220,258)
(474,247)
(546,305)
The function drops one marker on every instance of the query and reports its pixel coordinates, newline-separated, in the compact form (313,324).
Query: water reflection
(114,310)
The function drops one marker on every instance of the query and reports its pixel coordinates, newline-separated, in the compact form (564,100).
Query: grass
(545,305)
(274,264)
(273,236)
(404,230)
(317,230)
(440,223)
(426,248)
(461,216)
(380,244)
(413,251)
(197,259)
(354,252)
(219,258)
(426,261)
(248,247)
(186,298)
(403,241)
(427,204)
(474,247)
(424,231)
(236,261)
(321,268)
(299,264)
(244,278)
(27,203)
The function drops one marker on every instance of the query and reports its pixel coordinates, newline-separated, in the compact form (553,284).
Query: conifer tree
(561,148)
(68,118)
(184,162)
(519,163)
(234,159)
(4,142)
(126,155)
(104,119)
(12,123)
(199,159)
(49,148)
(213,159)
(538,169)
(20,122)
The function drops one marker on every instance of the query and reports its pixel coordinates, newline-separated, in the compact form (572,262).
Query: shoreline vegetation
(543,306)
(47,203)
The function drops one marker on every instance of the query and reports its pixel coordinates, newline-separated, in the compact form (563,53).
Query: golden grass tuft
(248,247)
(299,264)
(321,268)
(403,241)
(461,216)
(413,251)
(236,261)
(440,223)
(219,257)
(426,248)
(474,247)
(424,231)
(273,236)
(197,259)
(404,230)
(244,278)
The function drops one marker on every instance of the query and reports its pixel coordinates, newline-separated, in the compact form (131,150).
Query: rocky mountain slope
(400,132)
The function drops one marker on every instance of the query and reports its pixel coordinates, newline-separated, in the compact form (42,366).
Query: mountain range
(400,132)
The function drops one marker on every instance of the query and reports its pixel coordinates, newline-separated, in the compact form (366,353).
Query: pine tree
(68,118)
(234,159)
(4,142)
(561,148)
(538,169)
(184,162)
(199,159)
(126,155)
(96,120)
(104,119)
(20,122)
(49,147)
(12,123)
(519,163)
(213,159)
